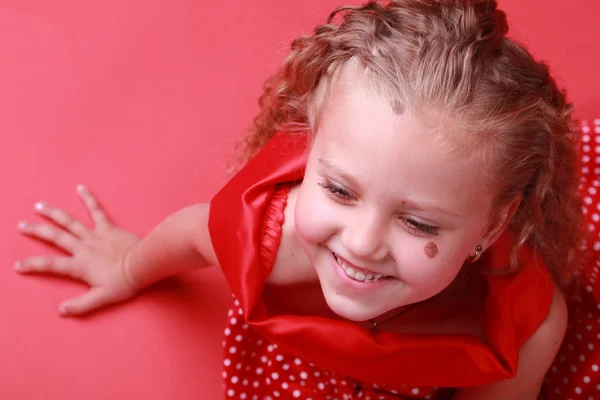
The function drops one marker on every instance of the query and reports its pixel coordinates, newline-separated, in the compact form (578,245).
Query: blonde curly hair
(449,58)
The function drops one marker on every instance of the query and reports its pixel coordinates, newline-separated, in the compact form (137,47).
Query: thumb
(94,298)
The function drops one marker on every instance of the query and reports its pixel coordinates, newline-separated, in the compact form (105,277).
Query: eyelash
(335,192)
(422,229)
(342,196)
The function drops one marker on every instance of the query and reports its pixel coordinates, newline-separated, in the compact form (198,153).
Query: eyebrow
(329,165)
(405,202)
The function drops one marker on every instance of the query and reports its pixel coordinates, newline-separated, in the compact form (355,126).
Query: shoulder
(551,332)
(538,353)
(535,358)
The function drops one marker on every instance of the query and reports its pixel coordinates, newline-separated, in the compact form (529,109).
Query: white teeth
(359,276)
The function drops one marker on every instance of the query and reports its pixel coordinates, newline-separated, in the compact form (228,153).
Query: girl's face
(385,217)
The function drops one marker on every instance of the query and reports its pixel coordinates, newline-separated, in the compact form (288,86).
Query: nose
(364,237)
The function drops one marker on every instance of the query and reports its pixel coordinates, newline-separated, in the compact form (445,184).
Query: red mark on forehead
(431,250)
(397,107)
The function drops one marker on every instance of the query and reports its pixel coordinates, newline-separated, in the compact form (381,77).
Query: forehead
(394,154)
(361,120)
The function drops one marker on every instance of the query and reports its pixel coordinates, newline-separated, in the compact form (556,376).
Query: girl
(404,220)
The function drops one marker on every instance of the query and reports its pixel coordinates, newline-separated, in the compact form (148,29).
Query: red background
(142,101)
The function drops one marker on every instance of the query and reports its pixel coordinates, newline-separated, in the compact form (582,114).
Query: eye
(336,192)
(419,228)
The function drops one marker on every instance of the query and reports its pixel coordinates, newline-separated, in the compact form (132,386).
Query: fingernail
(80,188)
(39,206)
(62,309)
(18,266)
(22,225)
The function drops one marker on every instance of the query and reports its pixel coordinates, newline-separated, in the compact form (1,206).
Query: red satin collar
(515,305)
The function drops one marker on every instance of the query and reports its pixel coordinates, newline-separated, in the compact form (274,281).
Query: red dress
(288,356)
(575,373)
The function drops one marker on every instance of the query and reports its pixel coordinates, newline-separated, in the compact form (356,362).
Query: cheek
(433,274)
(314,217)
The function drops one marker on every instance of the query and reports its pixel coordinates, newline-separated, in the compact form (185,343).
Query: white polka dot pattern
(575,373)
(256,369)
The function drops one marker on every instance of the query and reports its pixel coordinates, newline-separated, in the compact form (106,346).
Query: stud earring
(478,251)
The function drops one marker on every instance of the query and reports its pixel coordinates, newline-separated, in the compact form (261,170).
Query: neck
(391,315)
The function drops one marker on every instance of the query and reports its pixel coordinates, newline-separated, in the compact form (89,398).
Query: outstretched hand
(95,256)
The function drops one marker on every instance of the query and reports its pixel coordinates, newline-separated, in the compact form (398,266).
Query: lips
(357,273)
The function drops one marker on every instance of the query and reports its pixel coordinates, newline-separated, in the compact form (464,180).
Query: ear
(499,221)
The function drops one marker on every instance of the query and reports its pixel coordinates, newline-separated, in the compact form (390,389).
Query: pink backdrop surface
(142,101)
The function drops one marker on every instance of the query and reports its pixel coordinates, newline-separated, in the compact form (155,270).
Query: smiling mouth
(359,275)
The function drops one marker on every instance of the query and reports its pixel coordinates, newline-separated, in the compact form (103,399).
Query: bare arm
(535,358)
(178,244)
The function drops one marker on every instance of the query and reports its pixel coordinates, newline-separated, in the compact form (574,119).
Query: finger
(62,219)
(95,298)
(93,206)
(43,264)
(51,234)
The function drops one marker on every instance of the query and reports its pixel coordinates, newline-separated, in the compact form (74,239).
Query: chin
(350,309)
(346,311)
